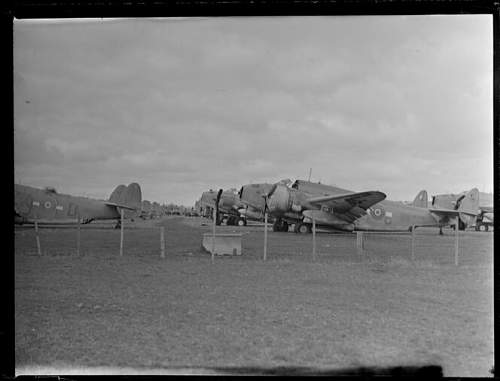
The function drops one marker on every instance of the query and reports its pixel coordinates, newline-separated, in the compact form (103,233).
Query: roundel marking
(47,204)
(378,213)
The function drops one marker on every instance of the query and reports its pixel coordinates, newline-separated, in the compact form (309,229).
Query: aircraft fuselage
(47,206)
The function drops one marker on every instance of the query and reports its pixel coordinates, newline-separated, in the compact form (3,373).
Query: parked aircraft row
(286,202)
(300,202)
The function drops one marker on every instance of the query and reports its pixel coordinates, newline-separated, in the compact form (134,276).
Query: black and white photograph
(254,195)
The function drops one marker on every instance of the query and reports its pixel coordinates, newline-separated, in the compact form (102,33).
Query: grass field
(342,311)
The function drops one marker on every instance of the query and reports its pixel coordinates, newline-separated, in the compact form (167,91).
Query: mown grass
(100,309)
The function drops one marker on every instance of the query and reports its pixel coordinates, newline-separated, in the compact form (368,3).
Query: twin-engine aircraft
(302,201)
(484,219)
(228,207)
(48,206)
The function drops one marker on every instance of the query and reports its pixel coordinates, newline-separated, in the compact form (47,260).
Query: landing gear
(242,222)
(118,225)
(302,228)
(482,228)
(284,226)
(280,226)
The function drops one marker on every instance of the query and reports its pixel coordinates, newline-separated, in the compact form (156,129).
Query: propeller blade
(271,191)
(217,204)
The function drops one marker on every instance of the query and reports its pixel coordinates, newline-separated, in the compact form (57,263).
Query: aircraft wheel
(284,227)
(461,225)
(276,227)
(242,222)
(304,228)
(483,228)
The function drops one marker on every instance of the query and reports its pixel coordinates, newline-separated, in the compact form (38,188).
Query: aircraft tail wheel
(241,222)
(483,228)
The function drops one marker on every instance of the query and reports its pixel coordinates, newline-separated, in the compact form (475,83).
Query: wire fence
(425,246)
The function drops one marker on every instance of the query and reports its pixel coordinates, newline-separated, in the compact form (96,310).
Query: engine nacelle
(250,213)
(280,200)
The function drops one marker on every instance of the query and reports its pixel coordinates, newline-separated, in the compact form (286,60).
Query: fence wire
(185,240)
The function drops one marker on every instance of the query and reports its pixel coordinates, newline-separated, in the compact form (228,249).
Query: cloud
(393,103)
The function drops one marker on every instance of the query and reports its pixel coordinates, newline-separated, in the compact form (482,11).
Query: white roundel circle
(378,213)
(47,204)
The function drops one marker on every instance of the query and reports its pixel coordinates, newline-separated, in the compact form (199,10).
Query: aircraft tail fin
(117,194)
(469,203)
(130,196)
(421,200)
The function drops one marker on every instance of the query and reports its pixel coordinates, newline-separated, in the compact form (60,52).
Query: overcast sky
(389,103)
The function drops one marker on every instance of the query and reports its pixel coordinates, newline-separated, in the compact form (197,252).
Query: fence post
(121,232)
(456,242)
(213,235)
(39,249)
(359,242)
(265,236)
(413,243)
(162,241)
(314,239)
(78,236)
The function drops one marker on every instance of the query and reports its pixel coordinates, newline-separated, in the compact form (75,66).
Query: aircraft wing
(448,212)
(119,205)
(354,205)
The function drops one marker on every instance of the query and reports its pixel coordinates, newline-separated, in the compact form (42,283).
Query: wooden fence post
(121,232)
(39,249)
(162,241)
(456,241)
(78,237)
(413,243)
(213,235)
(265,236)
(314,239)
(359,242)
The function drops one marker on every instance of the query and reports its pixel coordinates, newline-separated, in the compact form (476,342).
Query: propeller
(219,193)
(267,195)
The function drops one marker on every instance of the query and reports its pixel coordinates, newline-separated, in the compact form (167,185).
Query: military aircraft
(302,201)
(484,219)
(48,206)
(228,207)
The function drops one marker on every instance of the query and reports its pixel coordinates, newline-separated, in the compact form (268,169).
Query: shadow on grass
(411,371)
